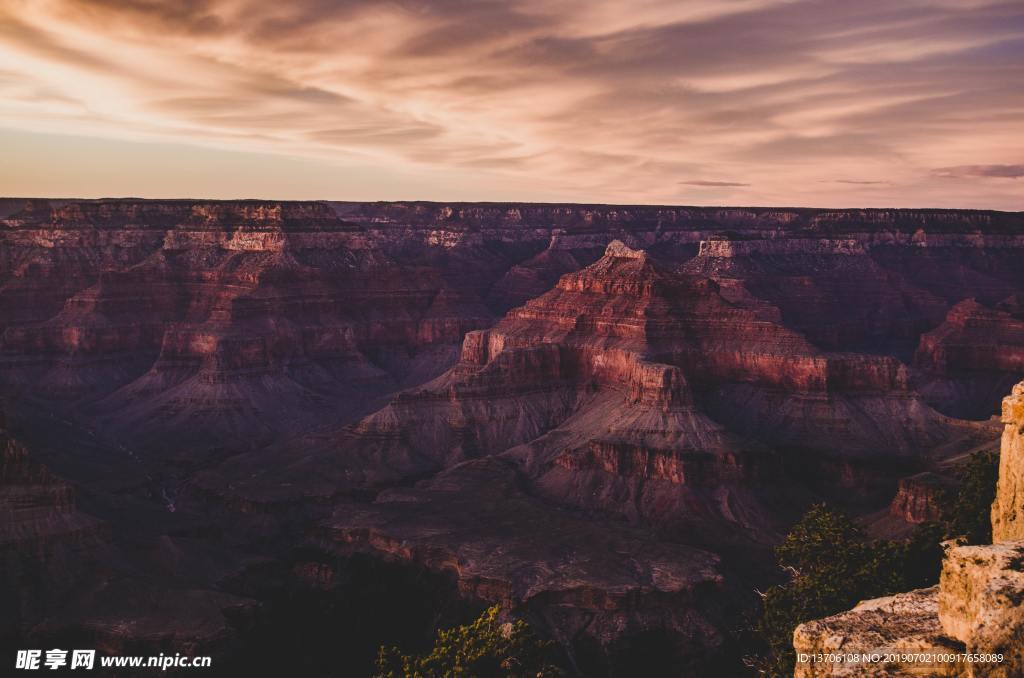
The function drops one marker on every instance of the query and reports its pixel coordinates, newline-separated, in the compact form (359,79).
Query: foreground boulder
(903,623)
(980,598)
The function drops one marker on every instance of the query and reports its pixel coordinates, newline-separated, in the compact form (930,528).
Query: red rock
(922,497)
(967,362)
(607,360)
(258,366)
(232,322)
(975,337)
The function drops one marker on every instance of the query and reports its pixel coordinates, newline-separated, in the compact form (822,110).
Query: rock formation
(975,609)
(922,497)
(588,584)
(980,595)
(251,396)
(970,360)
(906,623)
(228,321)
(1008,509)
(974,337)
(648,352)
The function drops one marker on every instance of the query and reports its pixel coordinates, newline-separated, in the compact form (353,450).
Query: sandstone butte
(976,608)
(601,417)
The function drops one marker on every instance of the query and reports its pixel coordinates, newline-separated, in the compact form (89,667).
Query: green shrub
(482,649)
(832,565)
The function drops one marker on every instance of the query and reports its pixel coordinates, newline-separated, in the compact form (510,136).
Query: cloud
(986,171)
(856,182)
(37,40)
(192,17)
(712,183)
(376,134)
(588,100)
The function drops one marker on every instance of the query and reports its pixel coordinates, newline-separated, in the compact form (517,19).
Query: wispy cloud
(588,100)
(988,171)
(855,182)
(700,182)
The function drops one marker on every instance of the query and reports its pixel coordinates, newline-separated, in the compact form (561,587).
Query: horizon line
(511,202)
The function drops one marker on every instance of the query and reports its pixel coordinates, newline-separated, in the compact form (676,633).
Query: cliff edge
(1008,509)
(971,624)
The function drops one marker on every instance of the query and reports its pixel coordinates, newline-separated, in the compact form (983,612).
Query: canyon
(601,417)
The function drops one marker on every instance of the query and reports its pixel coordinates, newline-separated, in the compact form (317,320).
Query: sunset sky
(743,102)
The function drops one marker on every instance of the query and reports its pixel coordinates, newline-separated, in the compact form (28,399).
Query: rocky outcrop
(975,611)
(867,640)
(1008,509)
(980,596)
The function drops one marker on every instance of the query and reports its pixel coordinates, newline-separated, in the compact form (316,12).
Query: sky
(907,103)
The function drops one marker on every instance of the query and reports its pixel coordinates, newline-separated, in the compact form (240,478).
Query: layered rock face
(645,351)
(223,321)
(977,351)
(580,402)
(922,497)
(974,337)
(97,296)
(1008,509)
(599,416)
(572,409)
(975,609)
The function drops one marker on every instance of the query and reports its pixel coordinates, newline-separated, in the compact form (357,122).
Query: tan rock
(1008,509)
(905,623)
(980,603)
(617,248)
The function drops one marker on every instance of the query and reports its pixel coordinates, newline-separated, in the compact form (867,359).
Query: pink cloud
(570,99)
